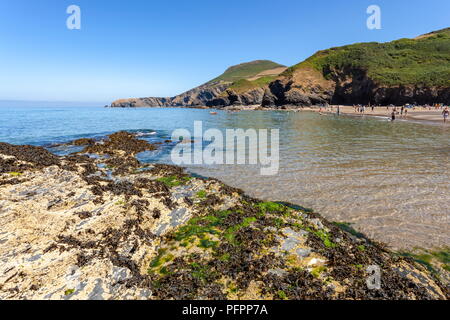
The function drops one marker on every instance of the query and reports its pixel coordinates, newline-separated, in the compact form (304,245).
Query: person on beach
(338,112)
(445,114)
(395,110)
(393,115)
(406,113)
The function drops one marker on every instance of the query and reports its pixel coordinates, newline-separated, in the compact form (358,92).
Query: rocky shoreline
(101,225)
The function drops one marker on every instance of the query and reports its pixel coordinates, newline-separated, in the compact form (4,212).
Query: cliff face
(231,97)
(305,87)
(141,102)
(399,72)
(348,87)
(214,92)
(196,97)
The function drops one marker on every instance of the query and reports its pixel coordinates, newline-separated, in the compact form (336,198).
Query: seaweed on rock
(163,231)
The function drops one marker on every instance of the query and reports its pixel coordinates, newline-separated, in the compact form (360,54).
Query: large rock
(246,98)
(199,96)
(304,88)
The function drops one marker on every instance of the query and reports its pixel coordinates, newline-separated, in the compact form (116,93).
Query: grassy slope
(431,259)
(421,61)
(243,85)
(246,70)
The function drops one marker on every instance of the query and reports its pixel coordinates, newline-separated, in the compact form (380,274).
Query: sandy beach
(417,114)
(420,114)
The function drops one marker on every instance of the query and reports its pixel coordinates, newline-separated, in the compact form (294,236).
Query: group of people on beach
(394,112)
(360,108)
(402,111)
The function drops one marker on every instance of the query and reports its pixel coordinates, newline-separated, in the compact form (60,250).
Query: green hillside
(247,70)
(421,61)
(245,85)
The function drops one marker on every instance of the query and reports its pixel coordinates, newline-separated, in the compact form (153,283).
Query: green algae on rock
(70,230)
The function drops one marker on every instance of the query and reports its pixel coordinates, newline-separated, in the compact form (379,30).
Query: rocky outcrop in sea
(196,97)
(101,225)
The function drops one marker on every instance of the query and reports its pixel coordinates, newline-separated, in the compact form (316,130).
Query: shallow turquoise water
(392,180)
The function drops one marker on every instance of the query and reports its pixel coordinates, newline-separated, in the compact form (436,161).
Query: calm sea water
(391,180)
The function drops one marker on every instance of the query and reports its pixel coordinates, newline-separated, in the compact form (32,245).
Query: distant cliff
(214,92)
(403,71)
(398,72)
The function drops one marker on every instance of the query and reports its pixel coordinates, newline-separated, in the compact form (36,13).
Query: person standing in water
(393,115)
(445,114)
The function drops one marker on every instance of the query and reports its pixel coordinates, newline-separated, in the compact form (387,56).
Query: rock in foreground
(109,227)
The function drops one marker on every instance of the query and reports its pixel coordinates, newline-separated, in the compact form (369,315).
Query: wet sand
(387,179)
(418,114)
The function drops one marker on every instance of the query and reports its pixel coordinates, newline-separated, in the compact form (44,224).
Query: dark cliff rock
(350,87)
(230,97)
(196,97)
(305,88)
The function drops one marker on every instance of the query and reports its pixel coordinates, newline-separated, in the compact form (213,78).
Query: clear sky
(141,48)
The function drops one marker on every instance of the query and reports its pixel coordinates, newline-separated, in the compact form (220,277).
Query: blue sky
(140,48)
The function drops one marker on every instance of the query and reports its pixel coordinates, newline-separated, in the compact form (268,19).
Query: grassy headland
(246,70)
(421,61)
